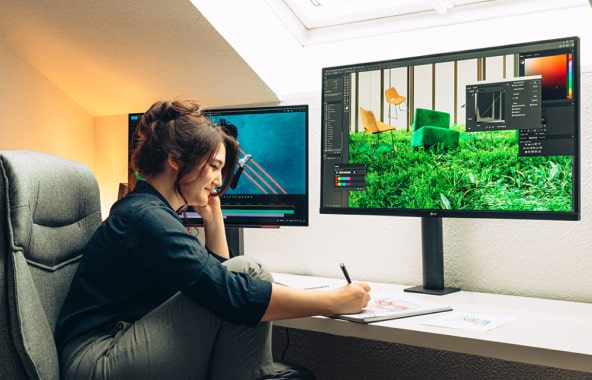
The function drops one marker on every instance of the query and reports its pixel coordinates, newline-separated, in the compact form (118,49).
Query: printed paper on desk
(382,309)
(470,321)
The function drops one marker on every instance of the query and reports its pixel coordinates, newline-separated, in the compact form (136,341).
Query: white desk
(544,332)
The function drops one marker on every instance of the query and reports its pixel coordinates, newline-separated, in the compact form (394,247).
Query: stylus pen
(345,273)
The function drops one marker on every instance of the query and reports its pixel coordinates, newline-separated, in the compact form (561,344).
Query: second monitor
(270,187)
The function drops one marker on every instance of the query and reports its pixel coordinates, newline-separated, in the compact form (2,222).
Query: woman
(149,301)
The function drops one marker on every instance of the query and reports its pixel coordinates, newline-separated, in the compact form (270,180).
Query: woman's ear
(172,163)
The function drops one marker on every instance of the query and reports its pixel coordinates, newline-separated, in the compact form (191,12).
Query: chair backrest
(49,208)
(425,117)
(392,96)
(368,120)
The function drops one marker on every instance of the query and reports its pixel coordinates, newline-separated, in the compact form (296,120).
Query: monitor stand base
(435,292)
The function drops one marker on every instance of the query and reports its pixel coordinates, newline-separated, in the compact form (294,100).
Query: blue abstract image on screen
(276,143)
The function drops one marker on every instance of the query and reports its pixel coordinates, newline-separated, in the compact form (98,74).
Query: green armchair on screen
(433,128)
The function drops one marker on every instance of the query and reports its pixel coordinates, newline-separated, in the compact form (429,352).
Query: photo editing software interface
(270,185)
(490,132)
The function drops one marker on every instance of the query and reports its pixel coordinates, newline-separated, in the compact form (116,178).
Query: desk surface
(543,332)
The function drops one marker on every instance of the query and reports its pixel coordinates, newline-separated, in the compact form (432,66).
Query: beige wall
(111,156)
(37,115)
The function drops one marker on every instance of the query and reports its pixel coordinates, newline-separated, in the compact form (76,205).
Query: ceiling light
(321,21)
(314,14)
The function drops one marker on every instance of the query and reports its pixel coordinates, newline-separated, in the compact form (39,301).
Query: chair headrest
(50,205)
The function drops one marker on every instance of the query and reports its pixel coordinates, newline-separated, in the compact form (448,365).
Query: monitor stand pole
(433,259)
(234,237)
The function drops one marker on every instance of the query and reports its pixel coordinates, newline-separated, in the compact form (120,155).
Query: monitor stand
(234,237)
(433,259)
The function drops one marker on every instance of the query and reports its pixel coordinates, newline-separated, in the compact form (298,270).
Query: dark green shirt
(142,255)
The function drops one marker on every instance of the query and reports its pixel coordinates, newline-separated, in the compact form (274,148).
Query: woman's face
(198,185)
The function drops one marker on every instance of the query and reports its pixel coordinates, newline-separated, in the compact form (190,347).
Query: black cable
(287,343)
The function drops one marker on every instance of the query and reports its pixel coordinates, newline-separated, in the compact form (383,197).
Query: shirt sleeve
(179,260)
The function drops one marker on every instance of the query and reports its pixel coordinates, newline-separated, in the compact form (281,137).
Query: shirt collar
(143,187)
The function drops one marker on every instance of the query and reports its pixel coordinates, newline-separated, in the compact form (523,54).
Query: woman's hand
(287,302)
(212,211)
(213,223)
(352,298)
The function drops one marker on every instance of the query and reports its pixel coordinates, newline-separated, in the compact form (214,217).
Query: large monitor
(485,133)
(270,186)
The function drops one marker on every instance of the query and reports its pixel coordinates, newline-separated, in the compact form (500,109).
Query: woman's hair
(180,129)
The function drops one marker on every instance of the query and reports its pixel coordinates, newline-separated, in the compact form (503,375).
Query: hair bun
(168,112)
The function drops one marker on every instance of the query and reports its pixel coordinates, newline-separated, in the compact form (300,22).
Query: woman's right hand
(287,302)
(352,298)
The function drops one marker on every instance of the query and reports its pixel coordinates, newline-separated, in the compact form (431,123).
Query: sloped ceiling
(118,56)
(114,57)
(289,56)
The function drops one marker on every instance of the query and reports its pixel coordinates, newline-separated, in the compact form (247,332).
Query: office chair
(49,208)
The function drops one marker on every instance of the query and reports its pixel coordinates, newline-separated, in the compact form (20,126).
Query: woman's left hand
(212,211)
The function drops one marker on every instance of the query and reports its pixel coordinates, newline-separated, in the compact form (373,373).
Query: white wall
(548,259)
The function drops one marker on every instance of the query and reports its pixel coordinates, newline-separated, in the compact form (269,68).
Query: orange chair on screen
(374,126)
(393,98)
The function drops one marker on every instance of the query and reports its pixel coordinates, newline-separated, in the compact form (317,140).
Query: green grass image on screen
(483,173)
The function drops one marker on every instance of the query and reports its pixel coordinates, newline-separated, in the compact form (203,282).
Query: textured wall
(344,358)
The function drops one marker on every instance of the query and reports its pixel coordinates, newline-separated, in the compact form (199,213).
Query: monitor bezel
(490,51)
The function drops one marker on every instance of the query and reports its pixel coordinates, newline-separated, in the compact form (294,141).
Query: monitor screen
(491,132)
(270,186)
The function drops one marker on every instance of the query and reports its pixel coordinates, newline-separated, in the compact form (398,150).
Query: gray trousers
(177,340)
